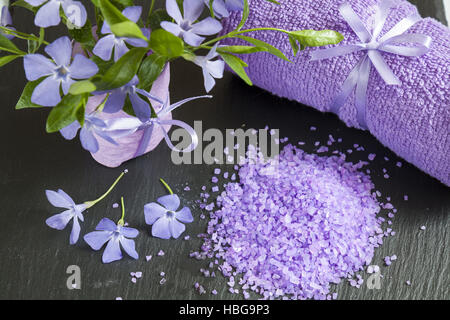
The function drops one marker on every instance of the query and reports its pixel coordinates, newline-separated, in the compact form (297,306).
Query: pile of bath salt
(294,225)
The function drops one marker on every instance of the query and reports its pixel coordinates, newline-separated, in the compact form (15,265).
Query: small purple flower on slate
(48,15)
(58,72)
(222,8)
(117,97)
(166,220)
(92,125)
(116,235)
(6,21)
(185,26)
(211,69)
(74,211)
(105,45)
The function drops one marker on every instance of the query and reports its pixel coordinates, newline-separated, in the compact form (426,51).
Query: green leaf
(151,68)
(314,38)
(122,71)
(156,17)
(245,14)
(237,65)
(7,45)
(273,1)
(25,99)
(258,43)
(166,44)
(127,29)
(7,59)
(23,4)
(80,87)
(66,112)
(120,25)
(83,35)
(294,45)
(241,49)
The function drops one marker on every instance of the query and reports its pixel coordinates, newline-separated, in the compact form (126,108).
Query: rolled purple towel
(412,119)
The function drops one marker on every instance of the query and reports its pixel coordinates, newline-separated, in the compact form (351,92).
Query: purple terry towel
(412,119)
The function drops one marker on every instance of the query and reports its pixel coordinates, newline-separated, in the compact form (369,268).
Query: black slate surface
(34,258)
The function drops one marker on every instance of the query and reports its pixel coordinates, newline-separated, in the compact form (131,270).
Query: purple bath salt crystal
(148,258)
(187,237)
(423,228)
(398,164)
(162,281)
(187,188)
(133,280)
(294,233)
(272,132)
(387,260)
(161,253)
(317,143)
(215,189)
(119,298)
(115,205)
(386,159)
(162,274)
(405,197)
(225,175)
(312,128)
(214,179)
(371,156)
(408,282)
(322,149)
(214,292)
(216,171)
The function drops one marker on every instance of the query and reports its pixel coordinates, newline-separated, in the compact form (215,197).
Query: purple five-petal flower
(105,45)
(116,235)
(74,211)
(211,69)
(222,8)
(166,220)
(117,97)
(185,26)
(48,14)
(6,21)
(92,125)
(60,71)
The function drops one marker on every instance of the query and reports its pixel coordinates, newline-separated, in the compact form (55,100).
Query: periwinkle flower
(48,15)
(222,8)
(74,212)
(166,221)
(117,97)
(105,45)
(6,21)
(59,72)
(211,69)
(116,235)
(185,26)
(92,125)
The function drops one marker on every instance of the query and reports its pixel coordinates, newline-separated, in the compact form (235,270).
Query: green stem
(94,202)
(122,221)
(166,185)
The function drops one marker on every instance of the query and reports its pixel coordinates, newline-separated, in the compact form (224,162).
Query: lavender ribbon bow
(389,42)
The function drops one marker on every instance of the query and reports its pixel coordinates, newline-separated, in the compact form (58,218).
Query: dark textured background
(34,258)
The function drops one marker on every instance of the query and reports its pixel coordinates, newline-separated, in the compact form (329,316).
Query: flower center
(170,214)
(62,73)
(185,25)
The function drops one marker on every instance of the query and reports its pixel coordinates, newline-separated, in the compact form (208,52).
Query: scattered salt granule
(162,281)
(214,179)
(322,149)
(294,232)
(187,237)
(119,298)
(386,159)
(148,258)
(214,292)
(161,253)
(115,205)
(125,171)
(408,282)
(216,171)
(272,132)
(423,228)
(133,280)
(215,189)
(162,274)
(387,260)
(225,175)
(405,197)
(312,128)
(138,274)
(187,188)
(398,164)
(371,156)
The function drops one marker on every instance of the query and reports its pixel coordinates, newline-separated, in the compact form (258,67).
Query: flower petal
(120,48)
(48,15)
(219,8)
(104,47)
(112,251)
(191,38)
(171,202)
(192,9)
(67,197)
(129,232)
(176,228)
(66,84)
(207,27)
(234,5)
(37,66)
(161,229)
(75,12)
(173,10)
(47,93)
(88,141)
(106,225)
(82,67)
(115,101)
(133,13)
(35,3)
(96,239)
(70,131)
(129,246)
(172,28)
(140,43)
(140,107)
(184,215)
(152,212)
(57,199)
(59,221)
(215,68)
(209,81)
(60,50)
(75,233)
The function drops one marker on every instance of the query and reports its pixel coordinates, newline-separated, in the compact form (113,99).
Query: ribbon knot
(394,41)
